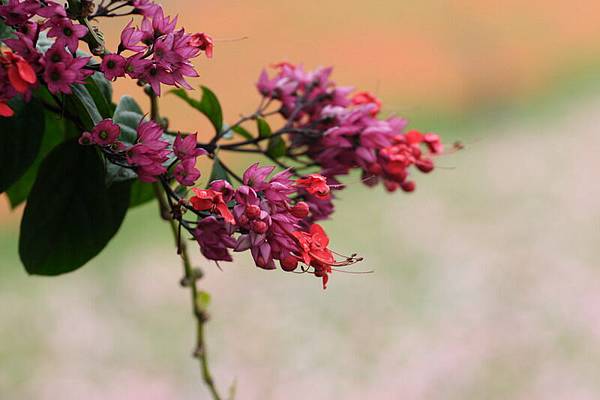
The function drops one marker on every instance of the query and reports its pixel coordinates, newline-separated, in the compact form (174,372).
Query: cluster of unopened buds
(327,132)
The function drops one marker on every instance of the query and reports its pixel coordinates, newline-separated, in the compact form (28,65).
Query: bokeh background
(486,283)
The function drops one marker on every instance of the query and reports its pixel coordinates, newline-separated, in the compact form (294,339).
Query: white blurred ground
(486,286)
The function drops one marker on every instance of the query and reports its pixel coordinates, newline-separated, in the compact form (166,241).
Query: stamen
(231,39)
(353,272)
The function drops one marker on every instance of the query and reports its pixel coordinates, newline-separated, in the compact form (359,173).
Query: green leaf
(243,132)
(141,193)
(209,105)
(54,133)
(128,115)
(44,42)
(70,214)
(20,140)
(276,147)
(264,130)
(101,91)
(5,31)
(218,172)
(81,103)
(128,103)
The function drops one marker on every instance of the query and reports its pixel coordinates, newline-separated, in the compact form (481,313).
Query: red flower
(313,251)
(203,42)
(316,185)
(20,74)
(210,200)
(367,98)
(5,110)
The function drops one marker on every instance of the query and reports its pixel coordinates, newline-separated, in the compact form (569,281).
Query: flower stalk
(191,277)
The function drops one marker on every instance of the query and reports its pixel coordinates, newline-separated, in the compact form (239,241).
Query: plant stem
(190,276)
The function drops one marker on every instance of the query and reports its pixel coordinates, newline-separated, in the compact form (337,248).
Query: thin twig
(167,209)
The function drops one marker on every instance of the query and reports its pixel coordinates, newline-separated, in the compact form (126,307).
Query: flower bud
(289,263)
(375,169)
(243,220)
(252,211)
(390,186)
(300,210)
(408,186)
(259,227)
(425,165)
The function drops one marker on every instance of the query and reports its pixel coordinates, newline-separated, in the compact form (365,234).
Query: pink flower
(59,78)
(57,54)
(51,9)
(255,176)
(61,75)
(185,147)
(17,12)
(65,31)
(145,7)
(214,238)
(105,133)
(113,66)
(130,37)
(186,173)
(150,152)
(136,65)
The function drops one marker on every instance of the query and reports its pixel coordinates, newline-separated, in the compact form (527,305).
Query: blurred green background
(486,282)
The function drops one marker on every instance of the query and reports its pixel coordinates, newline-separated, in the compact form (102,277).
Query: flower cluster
(150,152)
(269,215)
(349,132)
(60,66)
(158,52)
(329,129)
(269,218)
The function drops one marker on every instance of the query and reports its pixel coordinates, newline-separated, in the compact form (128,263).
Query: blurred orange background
(449,56)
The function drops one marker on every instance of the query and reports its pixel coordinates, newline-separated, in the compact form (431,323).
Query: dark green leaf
(54,133)
(243,132)
(70,214)
(101,91)
(264,130)
(141,193)
(128,116)
(276,147)
(5,31)
(82,104)
(128,103)
(218,172)
(20,140)
(209,105)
